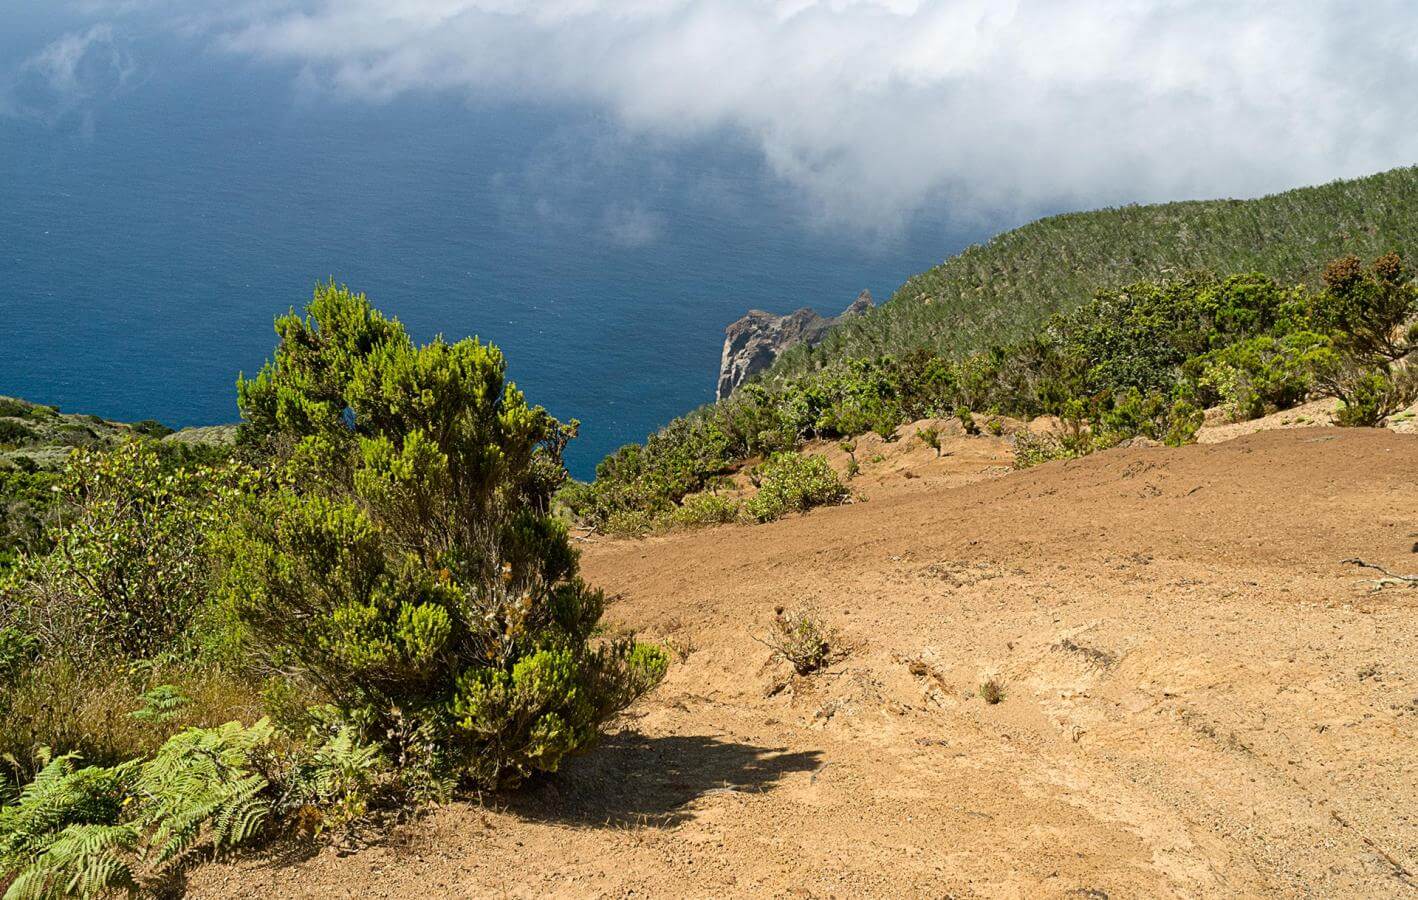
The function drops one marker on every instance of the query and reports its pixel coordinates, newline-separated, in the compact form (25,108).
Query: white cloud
(876,108)
(71,71)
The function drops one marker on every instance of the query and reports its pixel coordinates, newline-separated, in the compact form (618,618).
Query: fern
(67,833)
(81,861)
(333,783)
(61,835)
(203,780)
(161,704)
(60,795)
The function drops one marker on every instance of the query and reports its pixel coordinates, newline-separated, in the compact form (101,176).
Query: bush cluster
(1142,360)
(375,581)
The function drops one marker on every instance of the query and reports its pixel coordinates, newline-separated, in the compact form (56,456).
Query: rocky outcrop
(752,343)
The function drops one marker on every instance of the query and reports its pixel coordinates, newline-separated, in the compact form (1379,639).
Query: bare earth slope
(1200,699)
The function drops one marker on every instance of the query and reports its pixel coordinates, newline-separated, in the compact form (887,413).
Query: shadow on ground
(631,779)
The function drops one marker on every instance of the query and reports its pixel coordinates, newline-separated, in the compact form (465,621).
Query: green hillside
(1005,289)
(1124,322)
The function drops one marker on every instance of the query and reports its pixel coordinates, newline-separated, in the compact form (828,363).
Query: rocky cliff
(754,341)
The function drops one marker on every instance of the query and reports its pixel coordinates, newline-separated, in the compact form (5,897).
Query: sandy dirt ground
(1200,698)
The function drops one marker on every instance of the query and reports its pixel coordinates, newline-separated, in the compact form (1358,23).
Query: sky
(871,110)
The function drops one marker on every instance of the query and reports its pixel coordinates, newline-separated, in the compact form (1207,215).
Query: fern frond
(202,783)
(82,861)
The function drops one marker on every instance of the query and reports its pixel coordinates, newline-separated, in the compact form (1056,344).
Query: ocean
(151,229)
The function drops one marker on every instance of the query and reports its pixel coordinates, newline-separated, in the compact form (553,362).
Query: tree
(406,562)
(1369,311)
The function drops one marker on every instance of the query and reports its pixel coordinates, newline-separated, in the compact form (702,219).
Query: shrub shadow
(629,779)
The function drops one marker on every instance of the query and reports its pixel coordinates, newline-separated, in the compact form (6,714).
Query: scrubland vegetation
(1145,360)
(1006,290)
(369,601)
(365,605)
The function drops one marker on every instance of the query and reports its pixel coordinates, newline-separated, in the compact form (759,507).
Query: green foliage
(1369,396)
(700,510)
(88,707)
(967,420)
(26,502)
(151,428)
(1369,310)
(329,785)
(1004,291)
(1261,374)
(18,649)
(203,783)
(15,433)
(406,563)
(62,837)
(1153,416)
(930,437)
(1141,359)
(85,831)
(129,568)
(80,861)
(791,482)
(160,704)
(991,691)
(1140,336)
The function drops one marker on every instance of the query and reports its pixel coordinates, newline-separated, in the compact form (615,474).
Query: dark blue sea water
(150,232)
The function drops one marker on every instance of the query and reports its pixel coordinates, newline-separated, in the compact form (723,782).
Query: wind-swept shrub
(1133,414)
(800,638)
(407,565)
(1262,374)
(792,482)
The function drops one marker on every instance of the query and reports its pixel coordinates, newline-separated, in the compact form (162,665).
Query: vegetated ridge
(1007,288)
(1144,359)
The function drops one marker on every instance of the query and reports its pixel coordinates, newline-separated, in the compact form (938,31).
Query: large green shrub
(406,563)
(792,482)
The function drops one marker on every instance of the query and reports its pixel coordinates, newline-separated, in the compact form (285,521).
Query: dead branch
(1388,579)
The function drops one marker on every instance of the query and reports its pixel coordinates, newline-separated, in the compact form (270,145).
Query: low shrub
(1032,449)
(701,510)
(1262,374)
(1369,397)
(1153,416)
(800,638)
(130,565)
(15,434)
(991,691)
(792,482)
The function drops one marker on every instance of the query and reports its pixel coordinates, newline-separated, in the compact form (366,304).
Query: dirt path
(1200,700)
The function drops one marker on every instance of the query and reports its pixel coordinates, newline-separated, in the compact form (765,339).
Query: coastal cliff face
(752,343)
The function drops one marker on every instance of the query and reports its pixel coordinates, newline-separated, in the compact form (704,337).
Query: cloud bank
(876,109)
